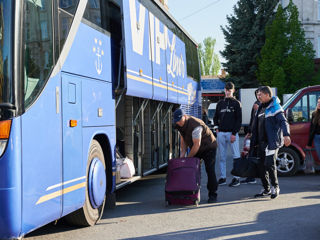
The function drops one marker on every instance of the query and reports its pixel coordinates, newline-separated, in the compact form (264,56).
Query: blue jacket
(276,125)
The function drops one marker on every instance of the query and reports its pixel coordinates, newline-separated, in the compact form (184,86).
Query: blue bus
(83,82)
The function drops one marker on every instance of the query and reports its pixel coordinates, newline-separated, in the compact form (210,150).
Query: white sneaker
(275,191)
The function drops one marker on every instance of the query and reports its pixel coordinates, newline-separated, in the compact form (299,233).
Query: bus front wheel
(95,197)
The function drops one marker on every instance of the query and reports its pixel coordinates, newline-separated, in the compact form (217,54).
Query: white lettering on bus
(137,27)
(176,65)
(158,40)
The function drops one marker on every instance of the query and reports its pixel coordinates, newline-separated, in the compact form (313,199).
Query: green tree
(274,49)
(209,60)
(287,57)
(245,37)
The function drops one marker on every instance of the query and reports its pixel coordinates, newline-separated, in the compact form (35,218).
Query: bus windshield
(6,26)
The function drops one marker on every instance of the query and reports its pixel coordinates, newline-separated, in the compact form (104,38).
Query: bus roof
(159,4)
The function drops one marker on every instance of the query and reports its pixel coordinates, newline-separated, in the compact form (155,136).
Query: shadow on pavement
(146,196)
(307,227)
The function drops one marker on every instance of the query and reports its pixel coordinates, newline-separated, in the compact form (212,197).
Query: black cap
(177,115)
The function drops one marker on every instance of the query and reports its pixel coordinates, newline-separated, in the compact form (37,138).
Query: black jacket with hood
(228,116)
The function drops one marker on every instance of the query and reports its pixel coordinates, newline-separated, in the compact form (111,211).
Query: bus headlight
(5,127)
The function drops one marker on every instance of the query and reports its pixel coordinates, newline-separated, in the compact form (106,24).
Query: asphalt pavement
(141,213)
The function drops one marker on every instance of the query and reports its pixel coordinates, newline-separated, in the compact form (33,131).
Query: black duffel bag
(245,167)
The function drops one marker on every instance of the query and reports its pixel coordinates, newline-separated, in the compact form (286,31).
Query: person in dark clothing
(205,118)
(197,136)
(314,133)
(270,130)
(227,122)
(248,135)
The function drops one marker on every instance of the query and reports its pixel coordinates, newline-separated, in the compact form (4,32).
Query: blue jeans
(223,139)
(317,144)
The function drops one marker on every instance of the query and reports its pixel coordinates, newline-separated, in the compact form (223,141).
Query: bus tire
(91,213)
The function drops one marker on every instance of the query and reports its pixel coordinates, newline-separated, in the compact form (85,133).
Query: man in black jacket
(270,130)
(254,109)
(227,121)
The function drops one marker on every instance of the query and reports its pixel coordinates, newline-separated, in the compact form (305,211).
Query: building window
(43,4)
(44,30)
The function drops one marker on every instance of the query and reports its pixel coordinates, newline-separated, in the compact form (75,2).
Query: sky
(203,18)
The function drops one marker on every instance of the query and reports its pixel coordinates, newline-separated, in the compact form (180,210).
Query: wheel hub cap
(96,183)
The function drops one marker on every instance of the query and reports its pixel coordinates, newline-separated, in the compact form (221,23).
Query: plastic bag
(127,169)
(309,162)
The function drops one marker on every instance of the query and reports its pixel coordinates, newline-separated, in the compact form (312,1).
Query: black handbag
(245,167)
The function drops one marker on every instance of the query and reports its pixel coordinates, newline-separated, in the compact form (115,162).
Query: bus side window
(93,12)
(38,46)
(300,110)
(67,9)
(69,6)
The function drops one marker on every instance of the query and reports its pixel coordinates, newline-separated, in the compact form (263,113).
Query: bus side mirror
(289,115)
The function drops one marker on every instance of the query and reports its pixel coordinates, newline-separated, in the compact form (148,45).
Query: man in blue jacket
(270,131)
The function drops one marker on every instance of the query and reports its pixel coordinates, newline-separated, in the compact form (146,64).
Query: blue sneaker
(222,181)
(235,182)
(248,180)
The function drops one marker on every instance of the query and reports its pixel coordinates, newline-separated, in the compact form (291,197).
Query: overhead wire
(199,10)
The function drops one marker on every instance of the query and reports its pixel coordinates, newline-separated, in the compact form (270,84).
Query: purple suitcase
(183,181)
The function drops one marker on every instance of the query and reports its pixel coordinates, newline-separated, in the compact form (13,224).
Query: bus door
(74,174)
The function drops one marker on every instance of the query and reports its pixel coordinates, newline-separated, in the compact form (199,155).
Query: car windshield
(6,26)
(287,103)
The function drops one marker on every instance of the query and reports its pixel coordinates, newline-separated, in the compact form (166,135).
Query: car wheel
(288,162)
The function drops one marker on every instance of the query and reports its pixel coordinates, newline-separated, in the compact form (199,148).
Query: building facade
(309,15)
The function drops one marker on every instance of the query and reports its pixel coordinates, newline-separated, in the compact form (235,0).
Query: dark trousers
(209,159)
(268,170)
